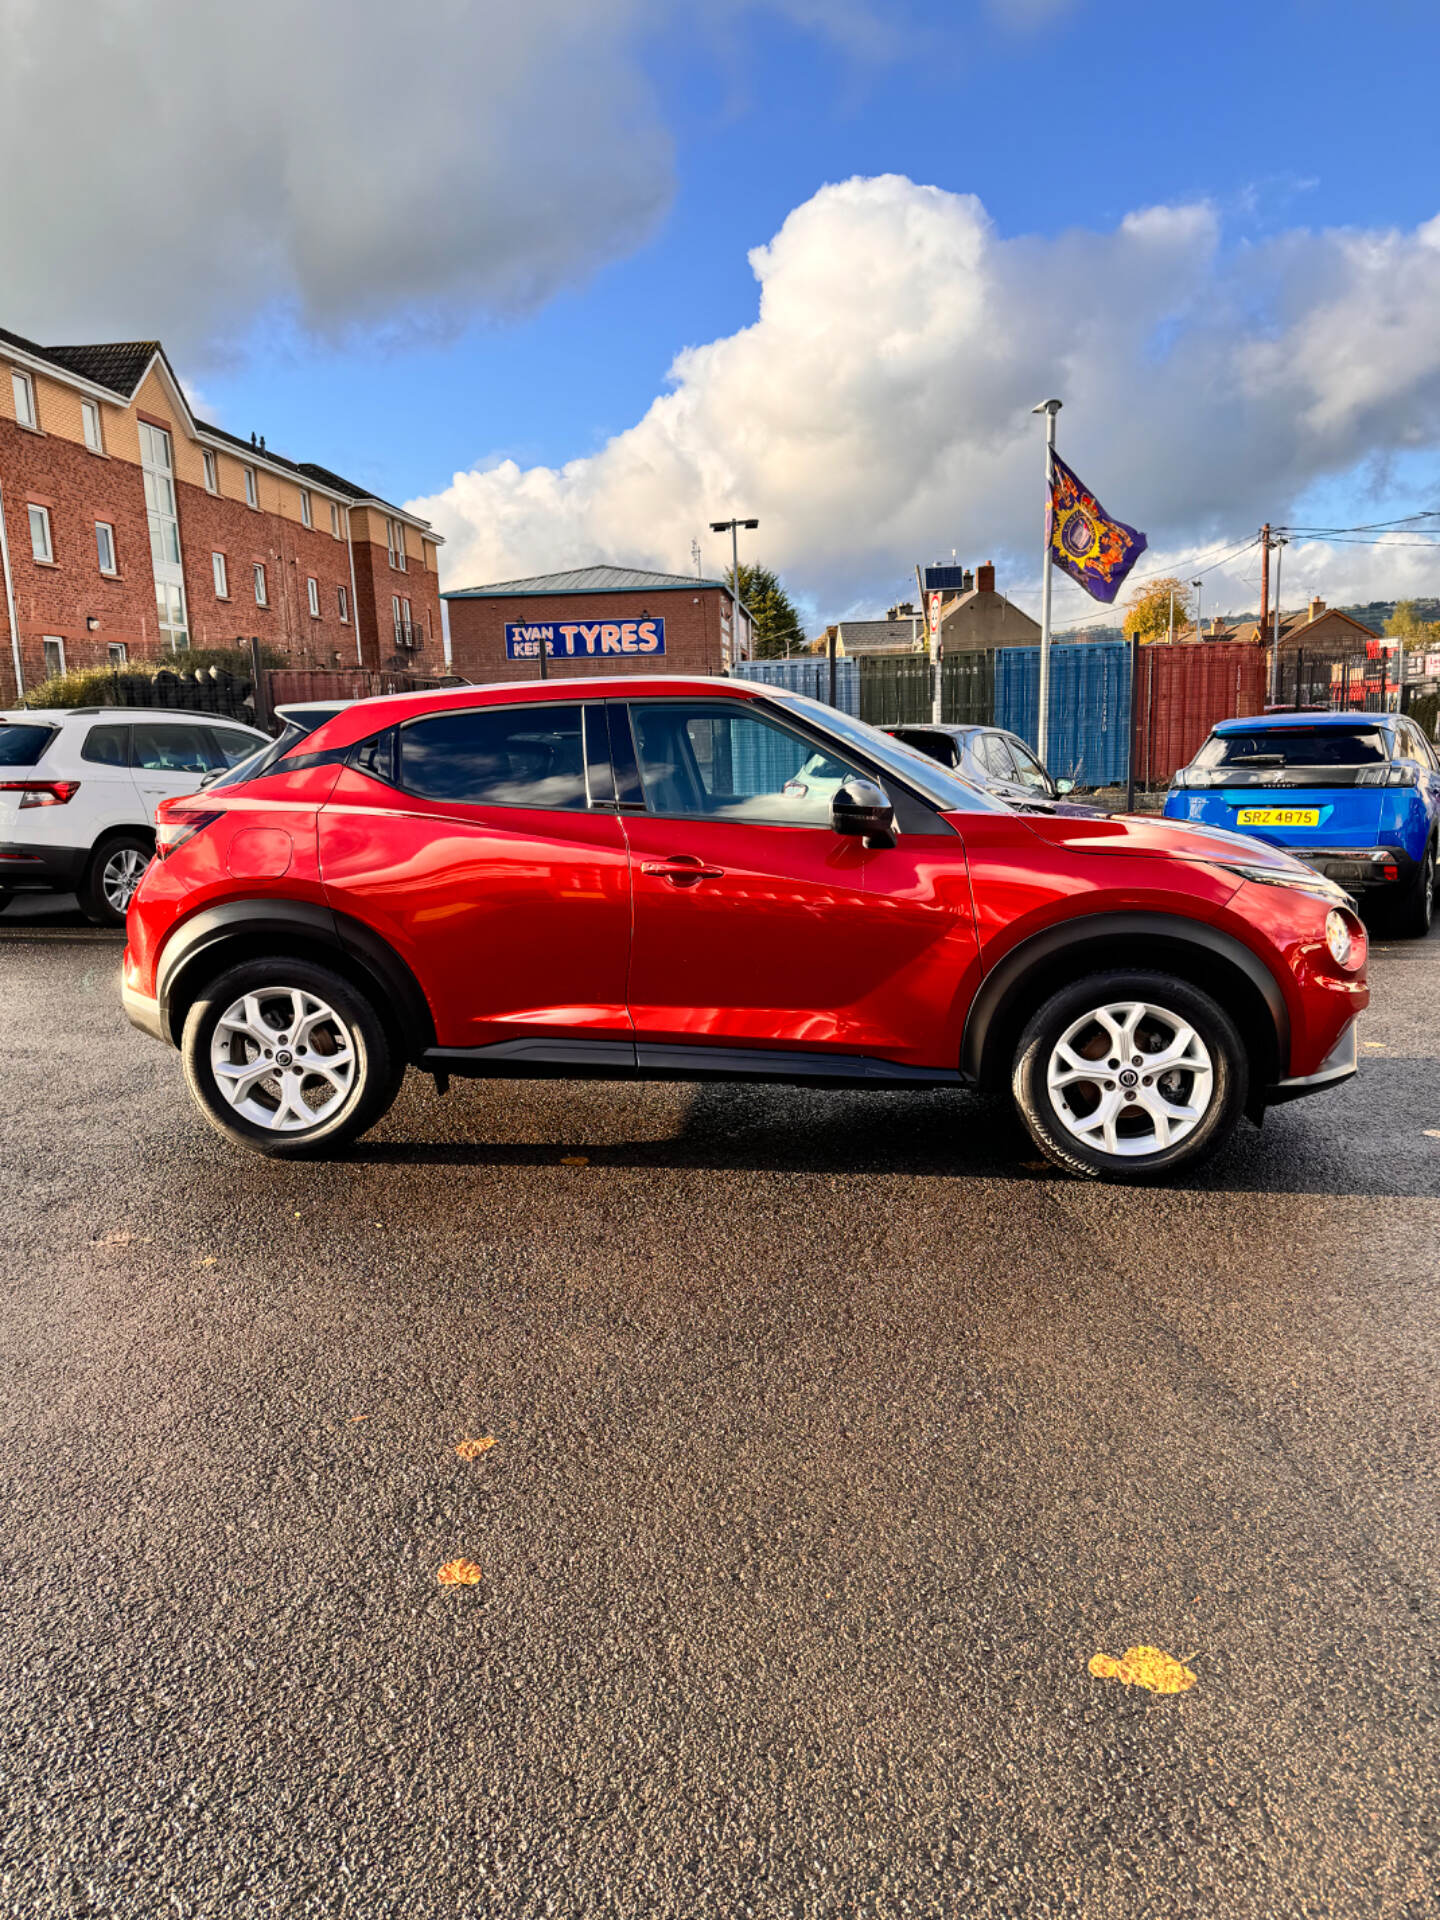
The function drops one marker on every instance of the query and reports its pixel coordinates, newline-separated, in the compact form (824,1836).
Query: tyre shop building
(591,620)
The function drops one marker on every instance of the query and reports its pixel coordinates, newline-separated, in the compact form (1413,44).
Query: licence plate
(1278,817)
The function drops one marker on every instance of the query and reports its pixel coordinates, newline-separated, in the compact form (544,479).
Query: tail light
(1395,773)
(42,793)
(174,829)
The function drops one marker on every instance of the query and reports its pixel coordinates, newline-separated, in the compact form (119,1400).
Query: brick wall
(377,583)
(77,488)
(692,632)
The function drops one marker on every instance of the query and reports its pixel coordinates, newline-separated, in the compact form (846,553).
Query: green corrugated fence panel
(967,689)
(895,689)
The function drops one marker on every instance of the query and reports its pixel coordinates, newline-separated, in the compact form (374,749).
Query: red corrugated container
(1182,692)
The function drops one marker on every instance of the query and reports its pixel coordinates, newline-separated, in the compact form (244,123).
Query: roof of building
(120,366)
(1293,625)
(585,580)
(976,595)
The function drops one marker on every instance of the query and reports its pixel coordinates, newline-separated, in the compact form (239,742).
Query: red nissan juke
(697,879)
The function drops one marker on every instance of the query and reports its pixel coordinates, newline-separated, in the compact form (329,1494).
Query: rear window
(22,746)
(1295,747)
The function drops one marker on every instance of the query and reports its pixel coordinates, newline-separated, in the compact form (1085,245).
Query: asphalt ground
(832,1439)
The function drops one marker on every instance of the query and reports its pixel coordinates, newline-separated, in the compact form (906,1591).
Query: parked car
(78,792)
(997,760)
(627,878)
(1356,796)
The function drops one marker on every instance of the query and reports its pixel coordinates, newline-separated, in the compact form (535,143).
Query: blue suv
(1354,795)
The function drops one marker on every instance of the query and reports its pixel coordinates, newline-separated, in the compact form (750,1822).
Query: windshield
(22,746)
(950,791)
(1295,747)
(297,728)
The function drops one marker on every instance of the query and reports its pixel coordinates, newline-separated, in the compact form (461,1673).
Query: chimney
(1217,627)
(985,577)
(1317,607)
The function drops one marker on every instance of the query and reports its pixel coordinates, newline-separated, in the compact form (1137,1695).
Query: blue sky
(494,249)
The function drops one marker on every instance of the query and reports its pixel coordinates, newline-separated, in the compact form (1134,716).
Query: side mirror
(1064,786)
(862,810)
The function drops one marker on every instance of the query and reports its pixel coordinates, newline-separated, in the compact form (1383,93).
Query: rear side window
(1295,747)
(107,746)
(163,746)
(22,746)
(511,756)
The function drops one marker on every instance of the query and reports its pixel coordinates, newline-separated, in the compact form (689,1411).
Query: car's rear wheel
(287,1058)
(1416,909)
(1130,1076)
(112,873)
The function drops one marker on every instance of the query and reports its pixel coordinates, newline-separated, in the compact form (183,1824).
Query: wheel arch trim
(241,921)
(985,1021)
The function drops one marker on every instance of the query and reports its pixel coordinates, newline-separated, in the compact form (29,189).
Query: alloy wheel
(1130,1078)
(120,876)
(283,1059)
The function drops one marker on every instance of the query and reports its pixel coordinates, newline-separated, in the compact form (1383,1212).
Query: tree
(1405,624)
(1148,610)
(777,625)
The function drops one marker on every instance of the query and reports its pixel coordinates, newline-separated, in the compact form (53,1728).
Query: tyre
(1130,1076)
(288,1059)
(112,873)
(1416,907)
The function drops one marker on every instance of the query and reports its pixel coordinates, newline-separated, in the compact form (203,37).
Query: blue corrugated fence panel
(809,676)
(1089,707)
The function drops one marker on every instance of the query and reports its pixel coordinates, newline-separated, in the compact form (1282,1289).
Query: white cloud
(188,165)
(878,410)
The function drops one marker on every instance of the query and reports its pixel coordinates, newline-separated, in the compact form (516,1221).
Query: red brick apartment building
(129,530)
(591,620)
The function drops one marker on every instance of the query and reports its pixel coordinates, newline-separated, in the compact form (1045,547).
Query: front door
(756,924)
(483,845)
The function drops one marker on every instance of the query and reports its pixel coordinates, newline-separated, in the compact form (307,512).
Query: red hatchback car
(690,879)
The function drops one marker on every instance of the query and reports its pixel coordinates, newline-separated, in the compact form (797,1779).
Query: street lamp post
(1049,408)
(1199,594)
(1279,542)
(732,527)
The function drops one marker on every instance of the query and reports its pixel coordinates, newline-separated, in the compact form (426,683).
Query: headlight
(1303,882)
(1345,950)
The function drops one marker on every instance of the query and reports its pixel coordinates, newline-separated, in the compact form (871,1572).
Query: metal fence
(809,676)
(1089,733)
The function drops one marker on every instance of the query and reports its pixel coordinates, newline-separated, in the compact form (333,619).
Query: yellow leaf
(458,1573)
(472,1449)
(575,1160)
(1144,1667)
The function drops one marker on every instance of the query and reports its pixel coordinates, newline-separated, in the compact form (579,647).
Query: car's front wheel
(112,873)
(1130,1076)
(287,1058)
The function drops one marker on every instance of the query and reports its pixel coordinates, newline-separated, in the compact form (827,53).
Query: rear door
(170,757)
(483,845)
(108,796)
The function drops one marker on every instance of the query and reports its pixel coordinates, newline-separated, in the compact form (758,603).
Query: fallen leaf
(472,1449)
(1376,1046)
(575,1160)
(356,1417)
(122,1237)
(1144,1667)
(1432,1133)
(458,1573)
(209,1260)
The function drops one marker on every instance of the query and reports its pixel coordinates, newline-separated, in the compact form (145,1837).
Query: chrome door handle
(681,870)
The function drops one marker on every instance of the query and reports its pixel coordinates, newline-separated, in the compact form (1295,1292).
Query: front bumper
(1338,1065)
(142,1011)
(34,869)
(1359,869)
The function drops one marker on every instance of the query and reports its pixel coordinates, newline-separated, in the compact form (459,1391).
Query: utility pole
(732,527)
(1279,543)
(1172,616)
(1049,408)
(1264,580)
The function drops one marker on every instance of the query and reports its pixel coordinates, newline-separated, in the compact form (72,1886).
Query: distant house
(979,619)
(1319,630)
(901,631)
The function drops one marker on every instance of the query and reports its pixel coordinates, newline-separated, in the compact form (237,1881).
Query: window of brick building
(335,519)
(117,653)
(395,541)
(105,546)
(53,650)
(252,488)
(41,544)
(307,517)
(312,593)
(262,599)
(212,471)
(90,416)
(23,387)
(222,576)
(343,601)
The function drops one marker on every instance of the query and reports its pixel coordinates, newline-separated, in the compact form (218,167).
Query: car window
(107,746)
(727,762)
(951,791)
(22,746)
(1413,743)
(509,756)
(994,756)
(1359,746)
(166,746)
(939,746)
(1027,768)
(234,746)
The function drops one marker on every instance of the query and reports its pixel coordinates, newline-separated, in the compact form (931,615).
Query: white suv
(79,788)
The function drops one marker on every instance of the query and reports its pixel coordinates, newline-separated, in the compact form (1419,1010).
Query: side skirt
(650,1060)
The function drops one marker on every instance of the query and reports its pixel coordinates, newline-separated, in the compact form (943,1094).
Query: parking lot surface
(832,1438)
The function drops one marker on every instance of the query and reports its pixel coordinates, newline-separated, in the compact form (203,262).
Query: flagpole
(1049,408)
